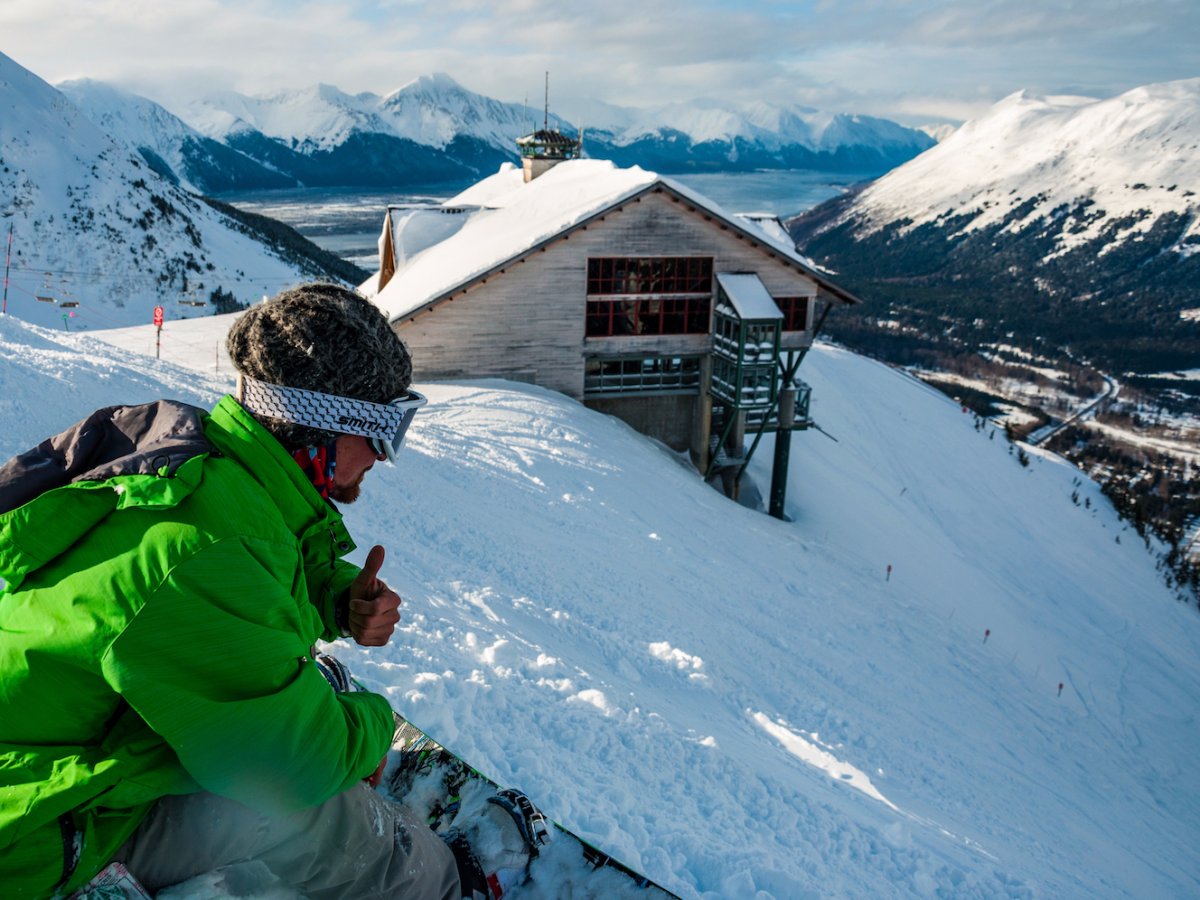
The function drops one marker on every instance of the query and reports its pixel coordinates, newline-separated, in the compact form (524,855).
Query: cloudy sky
(916,61)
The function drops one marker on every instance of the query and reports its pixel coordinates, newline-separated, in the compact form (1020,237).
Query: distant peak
(327,91)
(438,81)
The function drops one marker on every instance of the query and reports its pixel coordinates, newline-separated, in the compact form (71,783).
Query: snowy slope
(747,707)
(94,226)
(1128,160)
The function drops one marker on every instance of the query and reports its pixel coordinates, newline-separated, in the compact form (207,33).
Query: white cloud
(884,57)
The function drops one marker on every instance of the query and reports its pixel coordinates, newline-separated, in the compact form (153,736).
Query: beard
(347,493)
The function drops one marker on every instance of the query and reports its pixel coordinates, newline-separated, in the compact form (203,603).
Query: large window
(658,373)
(668,315)
(648,295)
(795,312)
(650,275)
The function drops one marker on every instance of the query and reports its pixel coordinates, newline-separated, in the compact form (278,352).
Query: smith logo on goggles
(355,422)
(383,424)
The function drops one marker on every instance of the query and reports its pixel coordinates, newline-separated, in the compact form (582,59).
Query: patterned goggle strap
(384,422)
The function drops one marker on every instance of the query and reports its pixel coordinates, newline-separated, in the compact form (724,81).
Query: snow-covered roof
(506,218)
(749,296)
(417,228)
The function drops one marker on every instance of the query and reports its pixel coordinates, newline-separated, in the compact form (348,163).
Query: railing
(633,376)
(800,416)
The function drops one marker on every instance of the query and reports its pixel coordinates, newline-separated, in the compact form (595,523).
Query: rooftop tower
(545,148)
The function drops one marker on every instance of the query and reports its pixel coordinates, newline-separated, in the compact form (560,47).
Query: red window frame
(650,275)
(795,312)
(661,315)
(631,295)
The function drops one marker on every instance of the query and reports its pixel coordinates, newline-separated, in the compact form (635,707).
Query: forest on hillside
(1121,306)
(1022,338)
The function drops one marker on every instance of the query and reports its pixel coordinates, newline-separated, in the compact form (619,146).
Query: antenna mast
(546,116)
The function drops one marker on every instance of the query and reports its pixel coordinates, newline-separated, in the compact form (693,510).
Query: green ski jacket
(166,573)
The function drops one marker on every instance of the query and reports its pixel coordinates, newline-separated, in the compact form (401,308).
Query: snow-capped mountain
(437,110)
(433,129)
(99,238)
(1103,167)
(428,131)
(773,126)
(168,144)
(939,131)
(769,135)
(1084,210)
(316,118)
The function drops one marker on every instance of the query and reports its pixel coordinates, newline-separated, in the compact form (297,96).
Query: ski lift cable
(141,276)
(107,322)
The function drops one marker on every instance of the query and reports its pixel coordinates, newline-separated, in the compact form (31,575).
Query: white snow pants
(357,844)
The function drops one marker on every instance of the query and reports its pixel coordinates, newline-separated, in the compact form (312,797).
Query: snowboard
(435,783)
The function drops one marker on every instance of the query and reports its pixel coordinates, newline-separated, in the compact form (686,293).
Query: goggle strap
(327,412)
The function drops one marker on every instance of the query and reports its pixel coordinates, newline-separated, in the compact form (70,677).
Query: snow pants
(357,844)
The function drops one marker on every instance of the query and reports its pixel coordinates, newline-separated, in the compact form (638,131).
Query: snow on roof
(417,228)
(505,217)
(749,296)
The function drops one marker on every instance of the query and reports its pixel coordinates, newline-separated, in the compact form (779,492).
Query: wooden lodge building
(618,287)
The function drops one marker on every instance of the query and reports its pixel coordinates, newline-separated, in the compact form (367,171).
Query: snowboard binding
(495,847)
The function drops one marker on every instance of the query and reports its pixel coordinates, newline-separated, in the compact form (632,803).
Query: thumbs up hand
(374,608)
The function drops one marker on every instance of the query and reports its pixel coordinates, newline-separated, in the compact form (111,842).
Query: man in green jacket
(167,572)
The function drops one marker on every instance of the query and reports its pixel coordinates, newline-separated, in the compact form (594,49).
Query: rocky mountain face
(1064,221)
(99,237)
(433,131)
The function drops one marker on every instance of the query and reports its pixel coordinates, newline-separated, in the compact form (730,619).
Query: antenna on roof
(544,149)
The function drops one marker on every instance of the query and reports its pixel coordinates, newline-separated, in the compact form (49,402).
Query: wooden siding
(530,318)
(670,419)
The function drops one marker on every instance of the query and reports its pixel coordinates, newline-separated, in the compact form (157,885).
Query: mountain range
(98,237)
(432,130)
(1071,220)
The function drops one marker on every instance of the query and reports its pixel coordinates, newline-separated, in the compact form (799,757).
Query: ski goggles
(407,406)
(382,424)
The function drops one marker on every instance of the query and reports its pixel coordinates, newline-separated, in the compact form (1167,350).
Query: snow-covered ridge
(99,238)
(772,125)
(140,122)
(436,109)
(433,130)
(1135,157)
(431,110)
(319,116)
